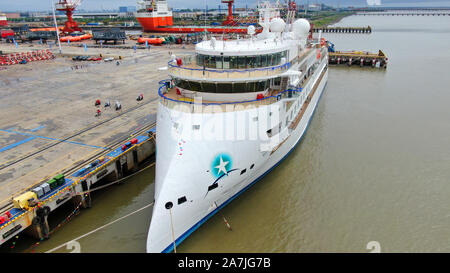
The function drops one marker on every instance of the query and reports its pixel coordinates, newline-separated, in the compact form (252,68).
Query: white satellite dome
(251,30)
(277,25)
(301,27)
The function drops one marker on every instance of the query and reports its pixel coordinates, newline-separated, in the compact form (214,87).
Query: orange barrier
(31,56)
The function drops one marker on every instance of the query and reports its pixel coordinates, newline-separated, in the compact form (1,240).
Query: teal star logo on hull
(221,165)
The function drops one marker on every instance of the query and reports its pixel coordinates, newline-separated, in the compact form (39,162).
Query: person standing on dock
(118,106)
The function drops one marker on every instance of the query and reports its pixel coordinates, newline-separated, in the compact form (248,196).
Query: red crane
(230,19)
(68,6)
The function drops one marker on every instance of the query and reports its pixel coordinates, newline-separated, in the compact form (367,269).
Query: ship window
(195,86)
(226,62)
(184,84)
(251,86)
(251,61)
(212,187)
(277,81)
(258,61)
(233,62)
(219,62)
(251,167)
(263,60)
(243,171)
(181,200)
(239,87)
(260,86)
(200,60)
(196,127)
(209,87)
(224,88)
(277,58)
(255,119)
(210,61)
(241,62)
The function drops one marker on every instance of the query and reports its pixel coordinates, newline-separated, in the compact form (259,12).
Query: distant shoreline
(330,20)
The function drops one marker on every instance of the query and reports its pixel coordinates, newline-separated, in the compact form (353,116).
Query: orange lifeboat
(46,29)
(151,41)
(75,38)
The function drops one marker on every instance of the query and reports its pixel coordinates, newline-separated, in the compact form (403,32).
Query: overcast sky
(35,5)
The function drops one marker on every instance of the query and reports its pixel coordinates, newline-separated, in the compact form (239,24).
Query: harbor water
(374,165)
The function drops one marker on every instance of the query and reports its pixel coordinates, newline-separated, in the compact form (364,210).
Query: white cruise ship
(227,116)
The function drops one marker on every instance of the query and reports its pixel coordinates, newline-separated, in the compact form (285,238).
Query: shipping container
(38,191)
(53,184)
(60,179)
(46,187)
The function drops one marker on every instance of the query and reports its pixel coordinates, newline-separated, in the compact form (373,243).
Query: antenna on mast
(56,27)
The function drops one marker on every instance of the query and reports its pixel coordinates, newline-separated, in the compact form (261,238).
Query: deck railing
(210,74)
(172,103)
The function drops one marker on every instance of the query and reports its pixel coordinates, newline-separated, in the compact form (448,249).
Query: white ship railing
(223,106)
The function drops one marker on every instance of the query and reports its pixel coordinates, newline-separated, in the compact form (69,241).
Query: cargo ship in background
(155,16)
(3,20)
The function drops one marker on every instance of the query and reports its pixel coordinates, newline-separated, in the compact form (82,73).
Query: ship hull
(185,219)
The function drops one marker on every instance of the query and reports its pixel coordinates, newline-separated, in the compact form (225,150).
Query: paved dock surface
(48,120)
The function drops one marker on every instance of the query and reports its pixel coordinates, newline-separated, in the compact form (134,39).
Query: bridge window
(240,62)
(210,87)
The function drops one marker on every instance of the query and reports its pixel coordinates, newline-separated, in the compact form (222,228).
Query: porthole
(251,167)
(243,171)
(169,205)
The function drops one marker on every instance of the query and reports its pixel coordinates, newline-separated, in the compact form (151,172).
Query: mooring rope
(100,228)
(173,234)
(76,211)
(117,181)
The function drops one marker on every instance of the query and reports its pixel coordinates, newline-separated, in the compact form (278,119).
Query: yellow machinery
(23,201)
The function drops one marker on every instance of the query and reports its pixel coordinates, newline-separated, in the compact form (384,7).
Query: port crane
(68,6)
(230,19)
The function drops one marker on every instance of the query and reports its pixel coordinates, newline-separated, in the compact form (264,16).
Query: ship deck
(172,99)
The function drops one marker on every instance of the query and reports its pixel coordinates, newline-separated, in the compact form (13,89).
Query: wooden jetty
(361,58)
(367,29)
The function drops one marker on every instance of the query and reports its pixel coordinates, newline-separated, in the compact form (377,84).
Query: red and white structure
(154,14)
(68,6)
(3,20)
